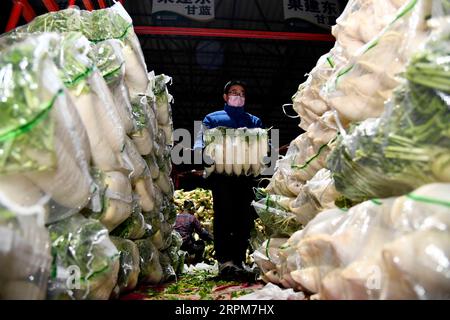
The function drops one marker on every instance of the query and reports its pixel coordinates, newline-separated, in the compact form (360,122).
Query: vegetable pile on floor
(195,285)
(204,212)
(376,114)
(86,199)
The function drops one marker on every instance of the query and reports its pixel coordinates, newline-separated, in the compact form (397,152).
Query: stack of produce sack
(85,192)
(349,84)
(394,248)
(237,152)
(401,144)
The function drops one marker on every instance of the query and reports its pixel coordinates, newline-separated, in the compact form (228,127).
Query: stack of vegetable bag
(300,175)
(351,35)
(45,169)
(393,248)
(237,152)
(101,132)
(25,258)
(409,145)
(366,253)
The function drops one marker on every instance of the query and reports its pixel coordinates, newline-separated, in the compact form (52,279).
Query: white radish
(246,165)
(263,147)
(168,133)
(145,189)
(66,183)
(114,213)
(136,77)
(219,153)
(253,150)
(122,101)
(104,156)
(228,152)
(165,184)
(143,141)
(239,152)
(138,164)
(118,186)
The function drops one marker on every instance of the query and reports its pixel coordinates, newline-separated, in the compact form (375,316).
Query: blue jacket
(229,117)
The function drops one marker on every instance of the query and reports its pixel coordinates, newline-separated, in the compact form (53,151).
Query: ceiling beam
(14,17)
(229,33)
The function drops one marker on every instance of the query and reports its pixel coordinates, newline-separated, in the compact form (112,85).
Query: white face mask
(236,101)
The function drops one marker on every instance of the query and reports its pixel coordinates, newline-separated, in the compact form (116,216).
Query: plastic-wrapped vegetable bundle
(316,194)
(134,227)
(409,145)
(307,101)
(151,271)
(302,161)
(176,255)
(25,259)
(99,25)
(72,53)
(267,259)
(358,90)
(162,99)
(273,210)
(236,151)
(167,268)
(129,264)
(85,261)
(143,135)
(109,59)
(351,37)
(361,21)
(44,147)
(116,194)
(393,248)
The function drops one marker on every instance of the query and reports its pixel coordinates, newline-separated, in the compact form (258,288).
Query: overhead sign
(202,10)
(321,13)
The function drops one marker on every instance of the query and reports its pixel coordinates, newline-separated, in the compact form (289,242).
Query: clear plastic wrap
(129,264)
(273,292)
(151,271)
(278,222)
(116,194)
(358,90)
(302,161)
(100,25)
(163,99)
(134,227)
(268,260)
(361,21)
(169,273)
(395,248)
(43,143)
(25,258)
(143,136)
(108,58)
(315,195)
(85,261)
(409,145)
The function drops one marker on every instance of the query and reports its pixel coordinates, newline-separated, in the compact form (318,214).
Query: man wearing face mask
(232,195)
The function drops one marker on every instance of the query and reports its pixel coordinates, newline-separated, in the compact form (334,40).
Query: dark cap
(188,205)
(232,83)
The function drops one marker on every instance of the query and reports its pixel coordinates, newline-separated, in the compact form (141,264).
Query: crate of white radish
(236,152)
